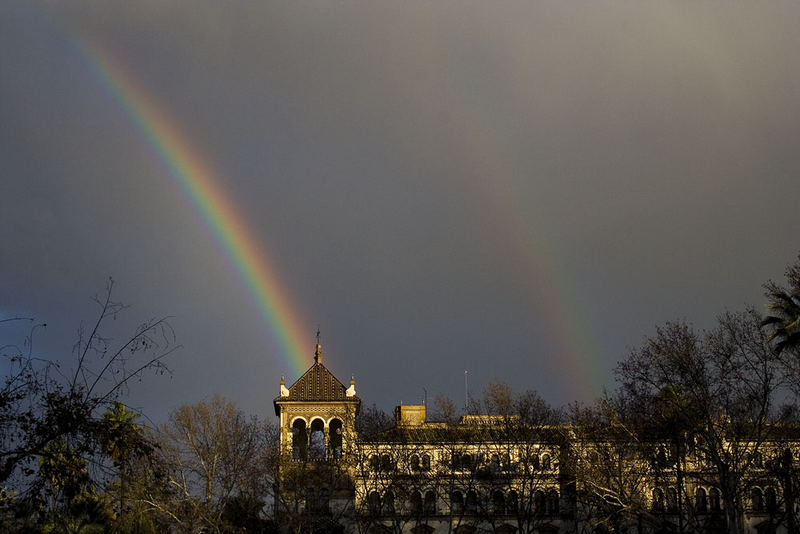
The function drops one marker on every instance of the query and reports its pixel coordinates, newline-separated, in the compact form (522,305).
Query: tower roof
(316,384)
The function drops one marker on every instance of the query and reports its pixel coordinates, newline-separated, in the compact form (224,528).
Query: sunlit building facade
(493,473)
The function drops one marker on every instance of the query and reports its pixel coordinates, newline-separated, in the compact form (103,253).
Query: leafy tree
(58,434)
(783,305)
(610,465)
(213,464)
(723,386)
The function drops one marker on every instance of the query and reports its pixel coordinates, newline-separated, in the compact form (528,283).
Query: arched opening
(494,463)
(317,441)
(658,500)
(324,499)
(513,502)
(335,438)
(415,465)
(456,502)
(713,499)
(498,502)
(416,503)
(772,500)
(426,462)
(299,440)
(311,500)
(466,462)
(430,503)
(539,505)
(672,499)
(388,503)
(374,503)
(386,463)
(552,503)
(546,462)
(757,500)
(471,505)
(661,457)
(700,501)
(374,462)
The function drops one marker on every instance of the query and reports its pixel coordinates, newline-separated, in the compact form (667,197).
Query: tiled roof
(317,384)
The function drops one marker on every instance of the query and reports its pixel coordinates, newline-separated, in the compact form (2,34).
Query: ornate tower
(317,415)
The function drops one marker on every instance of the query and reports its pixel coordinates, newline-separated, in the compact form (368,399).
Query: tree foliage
(213,470)
(62,427)
(783,305)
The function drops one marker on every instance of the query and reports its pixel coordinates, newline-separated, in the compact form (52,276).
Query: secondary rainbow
(197,178)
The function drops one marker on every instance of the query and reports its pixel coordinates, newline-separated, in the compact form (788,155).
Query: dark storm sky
(521,189)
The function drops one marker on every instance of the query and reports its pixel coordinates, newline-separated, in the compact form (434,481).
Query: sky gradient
(520,189)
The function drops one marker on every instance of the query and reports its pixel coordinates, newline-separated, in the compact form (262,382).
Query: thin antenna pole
(466,391)
(425,401)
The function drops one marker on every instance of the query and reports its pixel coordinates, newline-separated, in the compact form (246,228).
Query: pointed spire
(318,352)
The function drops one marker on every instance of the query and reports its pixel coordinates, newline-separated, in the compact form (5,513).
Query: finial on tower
(318,351)
(284,389)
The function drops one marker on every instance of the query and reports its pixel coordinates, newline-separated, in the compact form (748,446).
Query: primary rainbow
(197,178)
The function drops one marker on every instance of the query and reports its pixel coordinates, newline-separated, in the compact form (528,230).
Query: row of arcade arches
(545,503)
(317,441)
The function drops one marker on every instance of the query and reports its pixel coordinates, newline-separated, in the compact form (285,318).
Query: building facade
(502,473)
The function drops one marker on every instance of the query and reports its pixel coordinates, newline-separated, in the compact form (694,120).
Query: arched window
(388,503)
(456,502)
(552,503)
(299,440)
(415,466)
(672,499)
(700,501)
(498,502)
(374,462)
(661,457)
(466,461)
(756,500)
(539,504)
(494,463)
(416,503)
(471,505)
(386,463)
(374,503)
(430,503)
(506,462)
(772,500)
(658,500)
(455,461)
(335,438)
(512,502)
(535,461)
(311,500)
(546,462)
(758,460)
(713,499)
(317,441)
(426,462)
